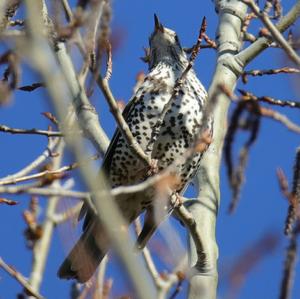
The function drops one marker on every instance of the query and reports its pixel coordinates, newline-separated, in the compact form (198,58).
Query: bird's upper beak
(157,25)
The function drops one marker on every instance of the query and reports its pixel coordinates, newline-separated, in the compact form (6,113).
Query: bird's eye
(176,39)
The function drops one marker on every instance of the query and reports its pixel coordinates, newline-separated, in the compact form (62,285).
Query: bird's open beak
(157,24)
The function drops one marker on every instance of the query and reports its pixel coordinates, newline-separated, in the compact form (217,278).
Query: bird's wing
(107,160)
(111,148)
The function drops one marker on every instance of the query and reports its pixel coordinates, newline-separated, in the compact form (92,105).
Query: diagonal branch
(248,54)
(276,34)
(20,278)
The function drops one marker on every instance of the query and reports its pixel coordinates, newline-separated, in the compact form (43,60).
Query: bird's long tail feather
(86,255)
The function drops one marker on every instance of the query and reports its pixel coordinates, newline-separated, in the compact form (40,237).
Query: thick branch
(42,57)
(203,281)
(229,67)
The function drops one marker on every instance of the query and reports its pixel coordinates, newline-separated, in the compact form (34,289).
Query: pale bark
(230,64)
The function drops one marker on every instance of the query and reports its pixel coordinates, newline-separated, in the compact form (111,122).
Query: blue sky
(261,210)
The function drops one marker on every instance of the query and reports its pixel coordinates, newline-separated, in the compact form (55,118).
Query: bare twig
(254,73)
(47,174)
(236,175)
(8,202)
(100,280)
(31,87)
(249,17)
(7,129)
(249,53)
(289,266)
(283,184)
(48,152)
(210,42)
(42,246)
(61,192)
(275,32)
(267,112)
(296,176)
(122,125)
(187,218)
(177,289)
(50,117)
(293,197)
(246,95)
(280,118)
(21,279)
(148,258)
(66,215)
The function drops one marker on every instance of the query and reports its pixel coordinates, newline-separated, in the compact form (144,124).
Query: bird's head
(164,46)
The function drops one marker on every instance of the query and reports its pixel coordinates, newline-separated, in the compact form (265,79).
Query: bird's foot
(176,200)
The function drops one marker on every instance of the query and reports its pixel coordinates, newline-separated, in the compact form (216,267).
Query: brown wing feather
(107,161)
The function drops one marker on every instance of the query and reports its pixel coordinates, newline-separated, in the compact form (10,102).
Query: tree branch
(36,163)
(21,279)
(42,57)
(7,129)
(276,34)
(42,246)
(248,54)
(203,280)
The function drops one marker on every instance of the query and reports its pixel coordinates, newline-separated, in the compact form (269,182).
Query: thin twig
(66,215)
(31,87)
(267,112)
(254,73)
(246,95)
(293,197)
(48,152)
(57,173)
(177,289)
(100,279)
(42,246)
(7,129)
(147,257)
(43,191)
(289,266)
(20,278)
(122,125)
(236,175)
(8,202)
(280,118)
(187,218)
(276,34)
(249,53)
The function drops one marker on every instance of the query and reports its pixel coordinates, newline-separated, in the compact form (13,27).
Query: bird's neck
(171,58)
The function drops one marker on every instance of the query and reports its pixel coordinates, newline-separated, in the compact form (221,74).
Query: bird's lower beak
(157,25)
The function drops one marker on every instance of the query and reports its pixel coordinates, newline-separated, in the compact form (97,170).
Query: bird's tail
(86,255)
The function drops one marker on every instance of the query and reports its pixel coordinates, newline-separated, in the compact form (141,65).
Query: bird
(167,61)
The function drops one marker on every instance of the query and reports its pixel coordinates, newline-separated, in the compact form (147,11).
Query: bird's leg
(176,200)
(153,168)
